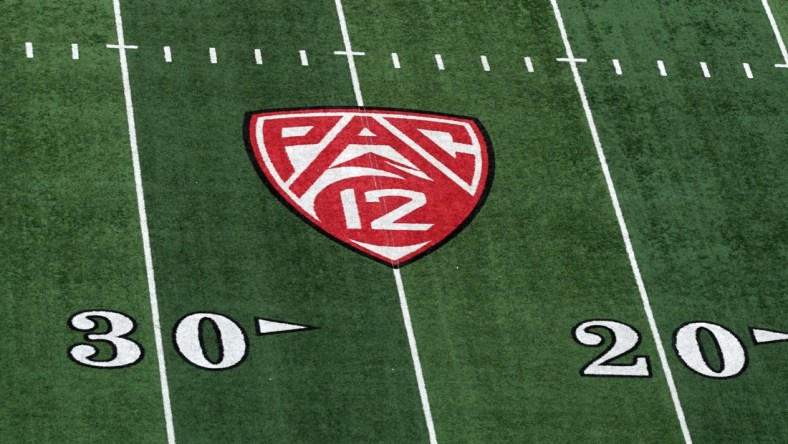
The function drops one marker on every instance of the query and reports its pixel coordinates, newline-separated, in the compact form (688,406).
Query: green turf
(69,230)
(697,163)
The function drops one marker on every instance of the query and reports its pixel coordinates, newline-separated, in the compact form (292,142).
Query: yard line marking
(74,51)
(403,302)
(529,66)
(777,35)
(747,70)
(167,54)
(617,67)
(572,60)
(258,56)
(439,61)
(135,160)
(705,68)
(485,64)
(662,71)
(623,227)
(395,60)
(304,60)
(29,50)
(212,55)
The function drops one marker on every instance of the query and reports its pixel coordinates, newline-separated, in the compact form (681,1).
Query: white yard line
(304,59)
(74,51)
(623,227)
(485,64)
(747,70)
(439,62)
(705,68)
(777,35)
(135,159)
(395,60)
(617,67)
(29,50)
(403,302)
(529,65)
(662,71)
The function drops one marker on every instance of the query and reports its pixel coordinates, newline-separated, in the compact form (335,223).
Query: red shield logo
(393,185)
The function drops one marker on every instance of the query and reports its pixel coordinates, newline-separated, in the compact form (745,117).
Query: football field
(394,221)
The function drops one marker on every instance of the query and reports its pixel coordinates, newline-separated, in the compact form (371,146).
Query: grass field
(638,206)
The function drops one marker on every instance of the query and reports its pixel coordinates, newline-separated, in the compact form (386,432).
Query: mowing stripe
(167,54)
(777,35)
(304,60)
(403,301)
(485,64)
(617,67)
(623,226)
(705,68)
(258,56)
(29,50)
(212,55)
(74,51)
(529,65)
(135,160)
(395,60)
(662,71)
(747,70)
(439,61)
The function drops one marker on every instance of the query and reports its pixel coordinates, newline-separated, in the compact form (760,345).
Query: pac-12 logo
(393,185)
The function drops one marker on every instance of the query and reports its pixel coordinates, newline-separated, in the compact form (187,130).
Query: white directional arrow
(761,336)
(272,327)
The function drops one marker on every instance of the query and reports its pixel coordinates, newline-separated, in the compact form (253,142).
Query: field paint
(617,67)
(662,71)
(395,60)
(571,60)
(135,160)
(258,56)
(167,54)
(705,68)
(29,50)
(74,51)
(304,59)
(747,70)
(403,301)
(777,35)
(212,55)
(623,227)
(439,61)
(529,65)
(485,64)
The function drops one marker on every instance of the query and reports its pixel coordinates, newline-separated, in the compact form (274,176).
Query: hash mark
(705,68)
(662,71)
(395,60)
(29,49)
(74,51)
(748,70)
(304,60)
(167,54)
(258,56)
(439,61)
(212,54)
(529,66)
(617,67)
(485,64)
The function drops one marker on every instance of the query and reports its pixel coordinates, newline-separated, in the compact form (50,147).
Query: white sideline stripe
(29,50)
(439,61)
(529,65)
(747,70)
(74,51)
(777,35)
(135,159)
(403,302)
(705,68)
(395,60)
(212,55)
(258,56)
(662,71)
(167,54)
(624,231)
(617,67)
(304,60)
(485,64)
